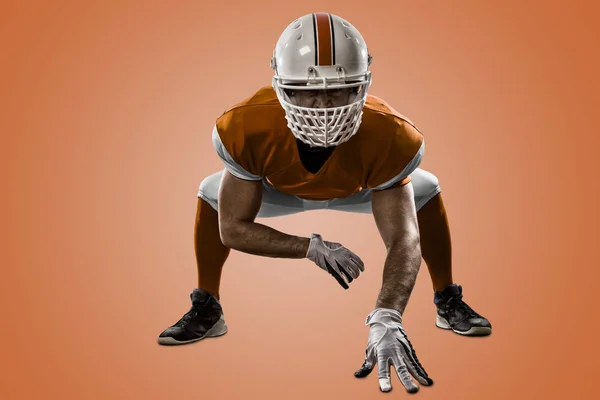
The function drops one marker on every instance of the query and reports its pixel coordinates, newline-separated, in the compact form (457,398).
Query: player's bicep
(395,215)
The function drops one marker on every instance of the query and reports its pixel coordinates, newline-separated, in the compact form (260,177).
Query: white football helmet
(322,51)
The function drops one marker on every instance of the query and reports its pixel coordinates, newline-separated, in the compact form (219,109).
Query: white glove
(335,259)
(388,344)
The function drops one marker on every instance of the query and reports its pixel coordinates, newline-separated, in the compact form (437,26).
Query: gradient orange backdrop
(106,115)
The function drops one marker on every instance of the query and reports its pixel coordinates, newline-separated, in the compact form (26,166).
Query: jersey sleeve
(230,164)
(401,157)
(404,175)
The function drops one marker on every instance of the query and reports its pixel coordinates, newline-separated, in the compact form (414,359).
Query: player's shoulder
(265,97)
(258,114)
(254,108)
(378,112)
(382,125)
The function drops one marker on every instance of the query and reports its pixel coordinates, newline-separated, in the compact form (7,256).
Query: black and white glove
(335,259)
(388,345)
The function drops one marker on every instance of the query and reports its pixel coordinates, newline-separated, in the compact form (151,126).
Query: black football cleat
(456,315)
(204,319)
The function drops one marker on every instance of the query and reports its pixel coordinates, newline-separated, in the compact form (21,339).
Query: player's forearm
(399,274)
(261,240)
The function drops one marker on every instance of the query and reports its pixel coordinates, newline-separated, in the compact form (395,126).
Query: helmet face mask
(323,103)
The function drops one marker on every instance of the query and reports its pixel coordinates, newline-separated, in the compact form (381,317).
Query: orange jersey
(254,135)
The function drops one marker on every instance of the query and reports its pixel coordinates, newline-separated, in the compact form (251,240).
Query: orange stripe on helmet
(324,38)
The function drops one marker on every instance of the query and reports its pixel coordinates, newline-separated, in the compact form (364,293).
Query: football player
(316,140)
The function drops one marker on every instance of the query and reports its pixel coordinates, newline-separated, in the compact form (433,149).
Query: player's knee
(209,187)
(428,183)
(426,187)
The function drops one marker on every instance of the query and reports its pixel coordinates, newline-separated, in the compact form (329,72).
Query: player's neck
(313,158)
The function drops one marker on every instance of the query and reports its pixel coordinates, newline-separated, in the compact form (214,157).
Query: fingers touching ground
(388,346)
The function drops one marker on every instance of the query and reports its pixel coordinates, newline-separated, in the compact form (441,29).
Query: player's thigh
(274,203)
(425,187)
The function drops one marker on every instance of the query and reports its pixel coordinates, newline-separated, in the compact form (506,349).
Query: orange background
(106,115)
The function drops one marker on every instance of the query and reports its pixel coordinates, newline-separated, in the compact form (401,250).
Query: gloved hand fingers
(358,261)
(347,264)
(356,267)
(352,256)
(368,365)
(335,274)
(403,374)
(344,270)
(409,356)
(383,364)
(358,264)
